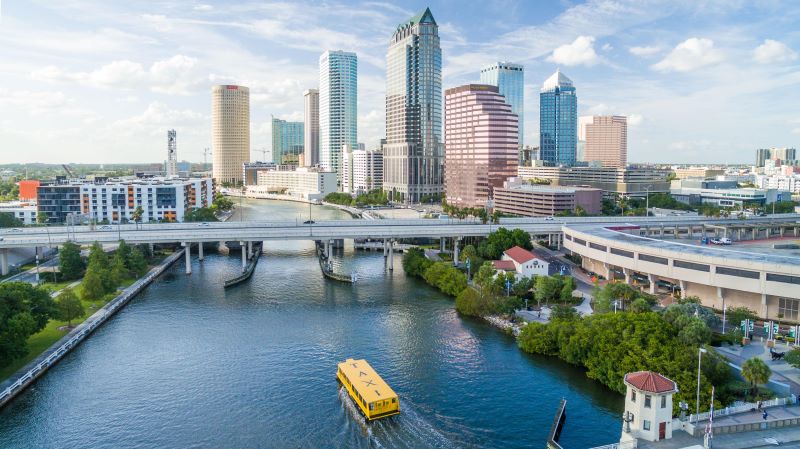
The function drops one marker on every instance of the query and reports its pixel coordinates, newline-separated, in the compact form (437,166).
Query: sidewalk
(781,371)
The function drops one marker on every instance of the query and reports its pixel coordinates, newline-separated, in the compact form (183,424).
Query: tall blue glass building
(510,81)
(338,107)
(287,141)
(558,120)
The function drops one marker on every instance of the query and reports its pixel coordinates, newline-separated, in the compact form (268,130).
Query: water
(188,364)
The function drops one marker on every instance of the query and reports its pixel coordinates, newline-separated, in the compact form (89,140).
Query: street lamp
(700,352)
(647,200)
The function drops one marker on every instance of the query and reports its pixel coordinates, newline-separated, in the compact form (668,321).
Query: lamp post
(647,200)
(700,352)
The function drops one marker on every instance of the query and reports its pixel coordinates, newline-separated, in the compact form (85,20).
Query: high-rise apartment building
(581,148)
(287,141)
(172,154)
(481,146)
(338,113)
(510,80)
(230,132)
(607,141)
(788,156)
(413,156)
(558,120)
(362,170)
(311,127)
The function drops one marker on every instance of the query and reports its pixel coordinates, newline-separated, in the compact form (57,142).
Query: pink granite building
(481,144)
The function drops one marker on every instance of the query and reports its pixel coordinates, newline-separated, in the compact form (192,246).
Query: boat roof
(366,381)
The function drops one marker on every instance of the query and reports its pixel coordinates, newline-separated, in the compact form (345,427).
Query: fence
(744,407)
(632,444)
(79,333)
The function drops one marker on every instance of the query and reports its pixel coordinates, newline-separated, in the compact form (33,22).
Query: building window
(663,402)
(597,247)
(622,252)
(633,395)
(654,259)
(788,307)
(647,400)
(738,273)
(691,265)
(783,278)
(646,425)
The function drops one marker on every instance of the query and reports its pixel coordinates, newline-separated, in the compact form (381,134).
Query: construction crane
(206,152)
(263,151)
(69,172)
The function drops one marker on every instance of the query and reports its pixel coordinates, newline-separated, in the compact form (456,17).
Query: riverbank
(19,381)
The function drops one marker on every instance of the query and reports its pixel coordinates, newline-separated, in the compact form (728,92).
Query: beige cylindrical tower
(230,132)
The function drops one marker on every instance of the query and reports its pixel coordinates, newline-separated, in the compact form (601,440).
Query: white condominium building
(362,171)
(161,199)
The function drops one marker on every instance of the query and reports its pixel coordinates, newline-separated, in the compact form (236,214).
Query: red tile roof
(520,255)
(505,265)
(650,382)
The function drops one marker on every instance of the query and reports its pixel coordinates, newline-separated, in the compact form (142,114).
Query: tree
(568,286)
(137,264)
(793,358)
(41,218)
(471,303)
(200,214)
(69,306)
(695,332)
(92,286)
(222,203)
(415,263)
(548,288)
(484,279)
(756,372)
(639,305)
(24,310)
(70,263)
(8,220)
(565,313)
(119,271)
(137,214)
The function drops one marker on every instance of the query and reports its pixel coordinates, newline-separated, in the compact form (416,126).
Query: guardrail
(744,407)
(632,444)
(555,428)
(84,329)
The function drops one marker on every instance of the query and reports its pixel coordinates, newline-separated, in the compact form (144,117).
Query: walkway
(781,371)
(786,436)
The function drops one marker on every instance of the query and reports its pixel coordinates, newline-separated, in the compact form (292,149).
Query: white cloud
(607,47)
(156,118)
(772,51)
(691,54)
(644,51)
(203,8)
(579,52)
(176,75)
(635,119)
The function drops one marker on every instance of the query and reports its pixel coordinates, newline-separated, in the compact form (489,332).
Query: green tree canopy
(70,263)
(70,306)
(756,372)
(8,220)
(24,310)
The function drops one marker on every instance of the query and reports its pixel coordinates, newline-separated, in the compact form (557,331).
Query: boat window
(394,400)
(372,406)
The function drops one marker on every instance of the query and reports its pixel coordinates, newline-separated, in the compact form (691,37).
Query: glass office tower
(287,141)
(338,112)
(413,156)
(510,80)
(558,120)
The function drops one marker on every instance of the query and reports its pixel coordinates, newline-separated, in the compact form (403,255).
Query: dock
(248,271)
(327,268)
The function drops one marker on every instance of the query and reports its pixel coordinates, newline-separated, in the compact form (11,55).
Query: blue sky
(102,81)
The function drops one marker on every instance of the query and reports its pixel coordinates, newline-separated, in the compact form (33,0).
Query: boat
(373,396)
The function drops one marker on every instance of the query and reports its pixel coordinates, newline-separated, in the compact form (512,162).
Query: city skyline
(681,73)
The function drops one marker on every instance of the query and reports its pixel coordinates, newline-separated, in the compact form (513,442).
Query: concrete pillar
(150,245)
(721,297)
(244,255)
(391,255)
(200,251)
(740,234)
(249,249)
(455,251)
(385,248)
(441,244)
(653,279)
(627,274)
(683,288)
(188,253)
(3,261)
(608,271)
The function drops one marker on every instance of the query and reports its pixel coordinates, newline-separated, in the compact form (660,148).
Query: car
(309,222)
(1,239)
(106,228)
(14,230)
(550,218)
(203,224)
(725,241)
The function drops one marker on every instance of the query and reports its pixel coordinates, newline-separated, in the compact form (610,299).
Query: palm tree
(756,372)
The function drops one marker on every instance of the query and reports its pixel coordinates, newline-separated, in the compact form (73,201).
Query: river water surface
(189,364)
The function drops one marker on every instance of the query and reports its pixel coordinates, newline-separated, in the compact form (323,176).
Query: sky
(91,81)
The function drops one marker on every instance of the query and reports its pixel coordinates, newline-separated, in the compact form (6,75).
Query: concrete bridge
(249,231)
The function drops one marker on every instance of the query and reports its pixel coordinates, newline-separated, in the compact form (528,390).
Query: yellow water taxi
(374,397)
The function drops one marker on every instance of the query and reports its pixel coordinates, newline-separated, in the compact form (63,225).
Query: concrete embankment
(30,372)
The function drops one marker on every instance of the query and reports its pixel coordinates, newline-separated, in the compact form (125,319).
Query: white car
(14,230)
(550,218)
(725,241)
(203,224)
(106,228)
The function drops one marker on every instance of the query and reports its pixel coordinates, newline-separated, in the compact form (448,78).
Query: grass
(42,340)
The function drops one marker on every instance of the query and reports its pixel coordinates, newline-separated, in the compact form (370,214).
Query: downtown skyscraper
(510,80)
(311,127)
(230,132)
(287,141)
(338,111)
(558,120)
(413,156)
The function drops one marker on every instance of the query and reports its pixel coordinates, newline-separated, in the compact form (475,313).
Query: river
(189,364)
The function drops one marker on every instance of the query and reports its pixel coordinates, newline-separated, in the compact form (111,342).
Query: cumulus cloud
(177,74)
(203,8)
(607,47)
(156,118)
(579,52)
(772,51)
(635,119)
(691,54)
(644,51)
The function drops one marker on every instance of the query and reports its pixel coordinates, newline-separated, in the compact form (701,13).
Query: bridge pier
(455,251)
(200,251)
(385,248)
(627,274)
(652,279)
(244,255)
(391,254)
(249,249)
(187,246)
(3,261)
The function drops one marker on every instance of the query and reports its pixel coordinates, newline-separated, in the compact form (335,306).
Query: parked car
(106,228)
(14,230)
(309,222)
(550,218)
(725,241)
(204,224)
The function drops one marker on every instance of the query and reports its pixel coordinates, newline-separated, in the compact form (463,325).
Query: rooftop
(519,255)
(557,79)
(366,381)
(651,382)
(423,17)
(505,265)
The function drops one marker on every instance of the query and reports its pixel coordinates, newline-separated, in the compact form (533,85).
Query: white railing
(88,326)
(743,407)
(632,444)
